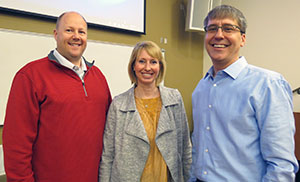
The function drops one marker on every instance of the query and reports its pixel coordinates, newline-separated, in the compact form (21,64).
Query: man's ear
(243,42)
(55,34)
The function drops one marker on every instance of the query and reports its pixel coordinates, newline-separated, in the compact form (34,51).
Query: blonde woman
(146,136)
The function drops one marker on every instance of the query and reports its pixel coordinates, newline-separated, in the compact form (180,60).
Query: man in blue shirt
(243,115)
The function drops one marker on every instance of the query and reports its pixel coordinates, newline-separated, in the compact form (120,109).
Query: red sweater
(53,129)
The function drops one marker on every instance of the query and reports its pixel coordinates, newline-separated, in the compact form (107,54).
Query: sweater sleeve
(20,129)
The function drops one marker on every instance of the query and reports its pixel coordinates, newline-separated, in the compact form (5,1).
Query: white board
(18,48)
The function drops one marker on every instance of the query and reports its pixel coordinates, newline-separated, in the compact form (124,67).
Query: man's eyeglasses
(227,28)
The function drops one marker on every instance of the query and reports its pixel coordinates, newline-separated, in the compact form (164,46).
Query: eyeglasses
(227,28)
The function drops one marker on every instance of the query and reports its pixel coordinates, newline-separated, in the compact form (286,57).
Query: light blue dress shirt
(243,126)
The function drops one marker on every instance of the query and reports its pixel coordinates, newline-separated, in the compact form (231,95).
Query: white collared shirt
(63,61)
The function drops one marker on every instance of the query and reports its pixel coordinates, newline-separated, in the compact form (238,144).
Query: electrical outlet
(165,40)
(161,40)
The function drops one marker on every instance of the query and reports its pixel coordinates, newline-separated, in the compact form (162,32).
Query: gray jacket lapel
(135,127)
(164,124)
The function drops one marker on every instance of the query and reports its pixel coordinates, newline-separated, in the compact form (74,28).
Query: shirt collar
(63,61)
(235,68)
(232,70)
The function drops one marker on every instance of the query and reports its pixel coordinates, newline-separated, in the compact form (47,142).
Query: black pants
(199,180)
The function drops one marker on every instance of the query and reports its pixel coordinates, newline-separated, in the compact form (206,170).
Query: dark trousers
(199,180)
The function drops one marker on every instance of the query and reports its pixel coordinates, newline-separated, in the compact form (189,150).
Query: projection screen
(127,15)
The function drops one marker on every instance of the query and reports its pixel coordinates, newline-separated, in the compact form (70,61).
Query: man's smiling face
(71,36)
(223,48)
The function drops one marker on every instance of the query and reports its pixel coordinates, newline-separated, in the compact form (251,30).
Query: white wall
(272,38)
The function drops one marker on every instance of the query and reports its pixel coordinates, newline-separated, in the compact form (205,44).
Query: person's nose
(219,33)
(147,66)
(75,35)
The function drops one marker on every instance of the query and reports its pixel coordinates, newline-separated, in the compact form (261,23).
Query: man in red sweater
(56,112)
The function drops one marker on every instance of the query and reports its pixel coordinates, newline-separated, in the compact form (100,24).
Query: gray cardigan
(126,145)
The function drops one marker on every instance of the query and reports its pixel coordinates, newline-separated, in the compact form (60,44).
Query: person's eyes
(141,61)
(82,32)
(212,29)
(228,28)
(153,61)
